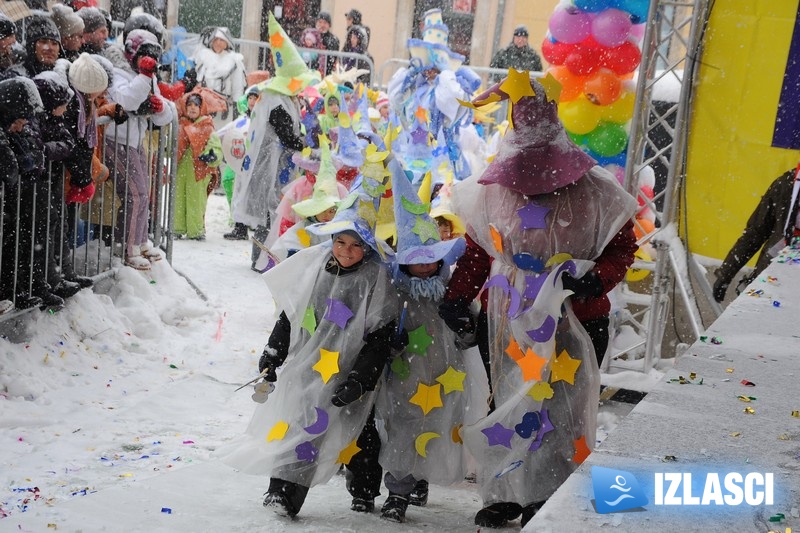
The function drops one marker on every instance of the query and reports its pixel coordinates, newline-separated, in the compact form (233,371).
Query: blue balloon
(637,8)
(592,6)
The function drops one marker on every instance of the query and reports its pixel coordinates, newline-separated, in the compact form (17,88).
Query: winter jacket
(130,91)
(764,229)
(520,58)
(360,48)
(223,72)
(200,137)
(9,171)
(612,264)
(330,42)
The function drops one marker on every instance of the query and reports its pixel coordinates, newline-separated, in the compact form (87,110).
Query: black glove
(348,392)
(208,158)
(145,108)
(190,79)
(588,286)
(457,317)
(119,116)
(720,288)
(268,361)
(399,342)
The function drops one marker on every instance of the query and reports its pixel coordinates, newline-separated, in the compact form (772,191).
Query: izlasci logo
(616,490)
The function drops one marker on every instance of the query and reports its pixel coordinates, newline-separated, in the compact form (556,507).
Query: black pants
(364,473)
(24,239)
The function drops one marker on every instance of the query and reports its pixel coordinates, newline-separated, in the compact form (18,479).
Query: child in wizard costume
(428,395)
(548,232)
(331,343)
(274,136)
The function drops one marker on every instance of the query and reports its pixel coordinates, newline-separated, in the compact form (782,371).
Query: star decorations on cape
(452,380)
(337,312)
(532,216)
(304,238)
(328,364)
(418,341)
(517,85)
(347,453)
(421,114)
(278,431)
(426,229)
(546,427)
(498,435)
(427,397)
(544,332)
(541,391)
(309,322)
(532,365)
(552,87)
(497,238)
(374,155)
(306,451)
(513,350)
(295,85)
(564,368)
(582,450)
(419,135)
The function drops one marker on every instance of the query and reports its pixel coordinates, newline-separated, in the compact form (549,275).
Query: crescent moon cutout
(421,442)
(320,425)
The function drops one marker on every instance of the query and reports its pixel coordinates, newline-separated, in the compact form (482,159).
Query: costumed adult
(221,68)
(773,224)
(274,136)
(549,233)
(425,97)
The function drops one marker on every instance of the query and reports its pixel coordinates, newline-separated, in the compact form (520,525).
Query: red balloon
(584,60)
(556,52)
(622,59)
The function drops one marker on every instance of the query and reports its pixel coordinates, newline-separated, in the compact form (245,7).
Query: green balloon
(577,138)
(607,139)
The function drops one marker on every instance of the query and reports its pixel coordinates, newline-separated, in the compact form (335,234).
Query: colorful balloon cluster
(593,47)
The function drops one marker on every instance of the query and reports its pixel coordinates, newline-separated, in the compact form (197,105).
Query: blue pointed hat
(350,149)
(418,240)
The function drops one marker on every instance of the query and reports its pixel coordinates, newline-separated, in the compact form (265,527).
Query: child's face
(347,250)
(333,108)
(251,101)
(384,111)
(59,111)
(17,125)
(445,229)
(218,45)
(192,111)
(424,270)
(327,215)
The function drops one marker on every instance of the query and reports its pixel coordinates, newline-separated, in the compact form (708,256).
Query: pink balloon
(570,25)
(637,31)
(611,27)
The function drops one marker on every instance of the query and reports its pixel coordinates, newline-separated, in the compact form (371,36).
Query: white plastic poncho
(298,435)
(257,189)
(544,372)
(431,391)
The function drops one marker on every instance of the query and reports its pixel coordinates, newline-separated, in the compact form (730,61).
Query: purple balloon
(611,27)
(570,25)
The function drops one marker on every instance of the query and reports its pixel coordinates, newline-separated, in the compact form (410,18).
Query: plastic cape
(544,403)
(298,435)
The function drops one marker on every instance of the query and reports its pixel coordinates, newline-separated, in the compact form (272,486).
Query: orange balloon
(643,227)
(571,85)
(603,87)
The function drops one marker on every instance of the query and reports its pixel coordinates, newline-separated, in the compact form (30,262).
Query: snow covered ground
(114,407)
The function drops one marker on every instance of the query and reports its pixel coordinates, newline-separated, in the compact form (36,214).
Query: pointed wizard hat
(326,188)
(291,73)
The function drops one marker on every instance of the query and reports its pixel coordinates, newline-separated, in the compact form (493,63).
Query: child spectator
(199,154)
(221,68)
(312,39)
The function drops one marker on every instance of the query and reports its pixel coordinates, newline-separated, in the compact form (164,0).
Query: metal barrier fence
(44,238)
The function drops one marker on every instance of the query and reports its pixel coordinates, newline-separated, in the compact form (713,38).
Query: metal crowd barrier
(90,238)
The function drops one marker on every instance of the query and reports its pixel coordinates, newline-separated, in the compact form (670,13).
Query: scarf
(86,129)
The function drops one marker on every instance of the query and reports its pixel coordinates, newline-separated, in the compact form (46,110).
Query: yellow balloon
(620,111)
(579,116)
(422,441)
(638,274)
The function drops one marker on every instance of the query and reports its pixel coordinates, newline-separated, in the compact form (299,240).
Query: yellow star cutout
(347,453)
(532,365)
(328,364)
(452,380)
(541,391)
(564,368)
(304,238)
(373,155)
(422,114)
(276,40)
(323,140)
(344,119)
(295,85)
(517,85)
(552,88)
(427,397)
(278,431)
(391,135)
(367,211)
(513,350)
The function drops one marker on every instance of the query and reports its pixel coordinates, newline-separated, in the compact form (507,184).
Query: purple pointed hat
(536,156)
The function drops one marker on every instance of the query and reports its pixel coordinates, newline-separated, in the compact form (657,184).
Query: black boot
(394,508)
(419,496)
(65,289)
(83,281)
(528,511)
(362,505)
(50,301)
(239,233)
(285,498)
(27,301)
(498,514)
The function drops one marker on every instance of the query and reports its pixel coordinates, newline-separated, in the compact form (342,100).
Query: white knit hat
(87,76)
